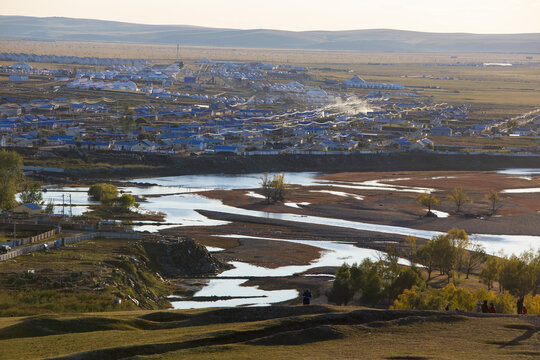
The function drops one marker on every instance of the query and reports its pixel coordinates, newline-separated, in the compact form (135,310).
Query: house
(18,78)
(124,145)
(10,110)
(226,149)
(441,131)
(28,209)
(402,142)
(145,145)
(423,144)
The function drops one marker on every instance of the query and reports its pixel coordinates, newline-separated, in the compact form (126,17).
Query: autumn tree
(449,251)
(428,200)
(425,256)
(275,188)
(493,197)
(490,271)
(459,198)
(474,257)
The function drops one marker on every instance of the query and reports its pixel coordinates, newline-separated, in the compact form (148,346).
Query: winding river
(177,197)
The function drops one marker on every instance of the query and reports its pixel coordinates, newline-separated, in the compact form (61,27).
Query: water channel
(177,197)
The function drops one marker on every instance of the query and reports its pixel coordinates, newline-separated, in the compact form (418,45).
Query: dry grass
(271,333)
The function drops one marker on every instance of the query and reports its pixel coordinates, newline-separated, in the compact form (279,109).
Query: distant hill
(68,29)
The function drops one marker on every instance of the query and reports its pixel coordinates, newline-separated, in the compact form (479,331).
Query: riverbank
(167,165)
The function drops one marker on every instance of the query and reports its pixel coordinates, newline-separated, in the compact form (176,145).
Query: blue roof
(32,206)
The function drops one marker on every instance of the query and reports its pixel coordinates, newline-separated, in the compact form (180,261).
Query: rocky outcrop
(182,257)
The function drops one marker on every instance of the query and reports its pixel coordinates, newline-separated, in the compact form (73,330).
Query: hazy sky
(478,16)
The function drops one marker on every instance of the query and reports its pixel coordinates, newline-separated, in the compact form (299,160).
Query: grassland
(86,276)
(317,332)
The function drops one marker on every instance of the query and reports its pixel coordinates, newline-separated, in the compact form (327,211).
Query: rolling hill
(68,29)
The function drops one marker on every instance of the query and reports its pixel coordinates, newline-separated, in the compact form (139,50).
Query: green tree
(126,202)
(407,278)
(518,275)
(428,200)
(342,290)
(32,194)
(49,209)
(493,197)
(104,193)
(10,178)
(459,198)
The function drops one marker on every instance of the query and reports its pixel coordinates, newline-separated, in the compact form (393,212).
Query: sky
(473,16)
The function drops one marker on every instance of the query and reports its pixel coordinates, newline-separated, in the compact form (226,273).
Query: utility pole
(14,232)
(70,210)
(63,204)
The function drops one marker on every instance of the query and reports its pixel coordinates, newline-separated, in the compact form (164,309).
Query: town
(244,108)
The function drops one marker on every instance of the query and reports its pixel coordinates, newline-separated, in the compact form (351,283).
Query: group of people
(484,308)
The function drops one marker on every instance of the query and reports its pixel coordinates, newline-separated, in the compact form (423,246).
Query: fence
(32,239)
(64,241)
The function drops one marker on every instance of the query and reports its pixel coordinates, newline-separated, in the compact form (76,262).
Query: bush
(462,299)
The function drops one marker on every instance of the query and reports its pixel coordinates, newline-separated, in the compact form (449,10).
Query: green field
(315,332)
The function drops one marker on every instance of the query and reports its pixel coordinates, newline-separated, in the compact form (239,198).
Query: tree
(493,197)
(10,178)
(459,197)
(426,257)
(407,278)
(104,193)
(428,200)
(342,291)
(49,209)
(32,194)
(490,271)
(474,258)
(449,251)
(266,187)
(410,250)
(274,189)
(519,275)
(126,202)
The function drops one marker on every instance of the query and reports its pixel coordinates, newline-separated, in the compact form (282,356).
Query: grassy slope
(270,333)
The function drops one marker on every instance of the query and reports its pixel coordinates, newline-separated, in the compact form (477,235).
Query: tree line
(459,198)
(452,254)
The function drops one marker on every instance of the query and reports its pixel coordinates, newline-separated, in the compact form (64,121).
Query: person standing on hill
(485,308)
(478,306)
(306,297)
(519,306)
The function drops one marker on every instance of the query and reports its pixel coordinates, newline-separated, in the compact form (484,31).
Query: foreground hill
(68,29)
(314,332)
